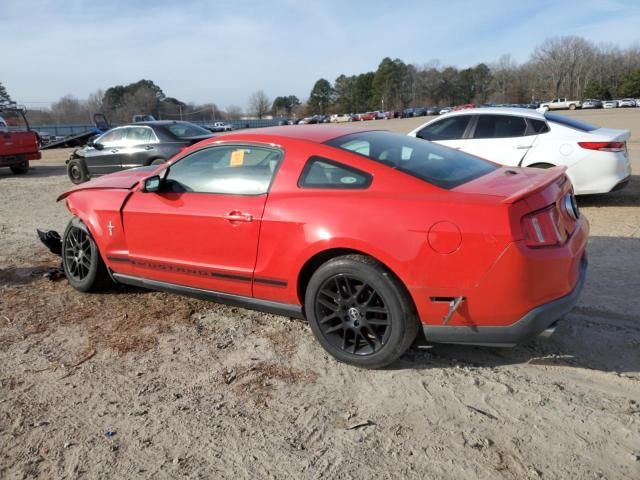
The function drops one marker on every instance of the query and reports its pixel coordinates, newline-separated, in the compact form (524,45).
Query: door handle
(115,150)
(148,147)
(523,147)
(237,216)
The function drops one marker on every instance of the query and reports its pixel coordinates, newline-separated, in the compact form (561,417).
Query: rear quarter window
(440,166)
(324,173)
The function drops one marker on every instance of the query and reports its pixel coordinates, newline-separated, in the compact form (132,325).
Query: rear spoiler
(544,179)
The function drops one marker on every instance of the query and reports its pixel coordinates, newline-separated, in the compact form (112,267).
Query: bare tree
(70,110)
(259,103)
(94,102)
(234,112)
(566,61)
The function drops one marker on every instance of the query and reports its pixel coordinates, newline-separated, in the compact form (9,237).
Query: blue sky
(222,51)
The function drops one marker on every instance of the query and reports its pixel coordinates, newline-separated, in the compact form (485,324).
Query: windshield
(438,165)
(187,130)
(570,122)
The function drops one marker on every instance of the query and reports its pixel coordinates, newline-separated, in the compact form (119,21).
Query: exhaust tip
(547,332)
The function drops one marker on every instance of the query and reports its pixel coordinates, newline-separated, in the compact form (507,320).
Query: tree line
(566,66)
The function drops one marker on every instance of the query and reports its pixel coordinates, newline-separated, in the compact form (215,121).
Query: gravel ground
(137,384)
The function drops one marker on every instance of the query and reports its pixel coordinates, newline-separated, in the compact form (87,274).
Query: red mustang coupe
(367,234)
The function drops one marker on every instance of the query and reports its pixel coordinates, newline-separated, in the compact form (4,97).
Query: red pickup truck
(18,143)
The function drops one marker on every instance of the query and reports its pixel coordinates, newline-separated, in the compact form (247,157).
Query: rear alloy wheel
(157,161)
(21,168)
(81,260)
(77,171)
(359,312)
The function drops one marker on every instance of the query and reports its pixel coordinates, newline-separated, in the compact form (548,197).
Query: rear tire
(81,260)
(157,161)
(359,312)
(77,171)
(21,168)
(572,107)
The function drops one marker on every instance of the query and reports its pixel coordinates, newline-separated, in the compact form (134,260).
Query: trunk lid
(511,184)
(610,134)
(540,202)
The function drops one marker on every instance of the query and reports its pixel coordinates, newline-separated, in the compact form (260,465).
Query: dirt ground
(137,384)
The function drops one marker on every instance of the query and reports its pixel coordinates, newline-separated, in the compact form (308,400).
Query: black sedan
(136,145)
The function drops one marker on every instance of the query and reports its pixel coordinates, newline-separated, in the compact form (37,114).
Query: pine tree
(4,96)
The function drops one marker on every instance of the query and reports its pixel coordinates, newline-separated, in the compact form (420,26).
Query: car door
(449,130)
(201,228)
(140,147)
(104,155)
(504,139)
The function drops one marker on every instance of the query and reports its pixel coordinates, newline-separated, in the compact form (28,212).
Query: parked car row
(589,103)
(596,158)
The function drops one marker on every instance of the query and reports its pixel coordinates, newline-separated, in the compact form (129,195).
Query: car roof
(155,123)
(311,133)
(521,112)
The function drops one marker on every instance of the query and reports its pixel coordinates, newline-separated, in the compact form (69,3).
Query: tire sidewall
(20,168)
(84,175)
(89,281)
(395,300)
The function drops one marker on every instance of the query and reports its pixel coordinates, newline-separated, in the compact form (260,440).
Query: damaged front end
(52,240)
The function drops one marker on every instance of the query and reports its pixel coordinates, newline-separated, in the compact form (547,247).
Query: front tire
(572,107)
(359,312)
(21,168)
(77,171)
(81,259)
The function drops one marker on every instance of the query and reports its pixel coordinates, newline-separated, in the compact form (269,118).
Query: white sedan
(596,158)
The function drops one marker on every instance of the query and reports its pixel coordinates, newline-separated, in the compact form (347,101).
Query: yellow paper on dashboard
(237,158)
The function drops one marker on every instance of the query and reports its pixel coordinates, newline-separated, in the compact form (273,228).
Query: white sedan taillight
(604,146)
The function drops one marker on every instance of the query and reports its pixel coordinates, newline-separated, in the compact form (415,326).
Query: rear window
(438,165)
(187,130)
(570,122)
(500,126)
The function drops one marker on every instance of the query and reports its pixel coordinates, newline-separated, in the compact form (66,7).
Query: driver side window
(112,138)
(234,170)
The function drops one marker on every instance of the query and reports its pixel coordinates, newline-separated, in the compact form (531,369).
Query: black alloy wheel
(81,259)
(360,312)
(352,315)
(78,256)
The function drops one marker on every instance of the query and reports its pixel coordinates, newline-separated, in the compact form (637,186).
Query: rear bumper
(601,172)
(531,325)
(10,160)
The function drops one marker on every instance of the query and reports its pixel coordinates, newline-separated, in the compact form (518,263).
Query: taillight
(541,228)
(604,146)
(552,225)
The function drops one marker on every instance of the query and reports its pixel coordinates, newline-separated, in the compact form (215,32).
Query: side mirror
(151,184)
(96,145)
